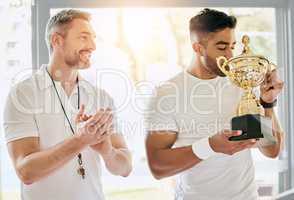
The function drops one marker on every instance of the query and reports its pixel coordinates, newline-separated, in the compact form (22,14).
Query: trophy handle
(221,63)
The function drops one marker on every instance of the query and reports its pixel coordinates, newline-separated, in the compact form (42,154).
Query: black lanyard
(81,170)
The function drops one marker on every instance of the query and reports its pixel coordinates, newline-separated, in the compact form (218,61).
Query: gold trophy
(248,71)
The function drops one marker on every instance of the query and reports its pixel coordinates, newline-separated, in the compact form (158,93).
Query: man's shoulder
(25,86)
(22,95)
(36,79)
(171,86)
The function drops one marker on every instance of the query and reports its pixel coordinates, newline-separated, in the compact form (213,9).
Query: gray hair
(62,21)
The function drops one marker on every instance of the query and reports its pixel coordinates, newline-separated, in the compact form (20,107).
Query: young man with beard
(189,121)
(58,126)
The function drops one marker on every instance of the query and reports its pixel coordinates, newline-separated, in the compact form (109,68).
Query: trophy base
(253,126)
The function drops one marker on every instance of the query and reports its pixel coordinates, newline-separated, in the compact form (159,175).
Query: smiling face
(221,43)
(76,45)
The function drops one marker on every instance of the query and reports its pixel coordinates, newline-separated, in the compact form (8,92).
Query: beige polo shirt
(33,110)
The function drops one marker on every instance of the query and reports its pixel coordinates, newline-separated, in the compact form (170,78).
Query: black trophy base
(250,125)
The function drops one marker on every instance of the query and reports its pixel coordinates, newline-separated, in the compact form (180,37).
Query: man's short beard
(75,62)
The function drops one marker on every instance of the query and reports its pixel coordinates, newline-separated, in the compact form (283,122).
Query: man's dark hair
(209,20)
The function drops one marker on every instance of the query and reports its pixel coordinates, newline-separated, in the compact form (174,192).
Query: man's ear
(55,40)
(198,48)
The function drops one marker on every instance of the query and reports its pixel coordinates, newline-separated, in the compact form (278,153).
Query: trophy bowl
(245,71)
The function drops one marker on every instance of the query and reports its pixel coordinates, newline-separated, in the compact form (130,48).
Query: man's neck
(66,75)
(198,70)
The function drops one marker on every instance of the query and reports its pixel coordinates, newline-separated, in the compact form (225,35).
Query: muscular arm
(164,160)
(273,151)
(33,164)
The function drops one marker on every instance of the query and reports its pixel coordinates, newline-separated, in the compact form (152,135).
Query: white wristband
(202,149)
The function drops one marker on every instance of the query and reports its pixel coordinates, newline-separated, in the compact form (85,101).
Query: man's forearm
(169,162)
(119,161)
(40,164)
(273,150)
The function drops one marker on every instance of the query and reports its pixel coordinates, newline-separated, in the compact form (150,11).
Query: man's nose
(229,54)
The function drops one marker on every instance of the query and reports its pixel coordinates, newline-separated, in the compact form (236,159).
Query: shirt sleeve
(19,119)
(160,115)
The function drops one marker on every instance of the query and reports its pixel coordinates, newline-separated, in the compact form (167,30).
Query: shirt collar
(44,81)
